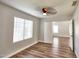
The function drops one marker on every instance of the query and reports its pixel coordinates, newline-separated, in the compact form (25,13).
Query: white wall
(46,32)
(76,20)
(48,37)
(71,34)
(41,36)
(6,30)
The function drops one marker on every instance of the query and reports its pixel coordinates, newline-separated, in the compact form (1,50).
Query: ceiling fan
(52,11)
(48,10)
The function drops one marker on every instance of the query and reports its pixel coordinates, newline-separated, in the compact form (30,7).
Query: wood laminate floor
(58,49)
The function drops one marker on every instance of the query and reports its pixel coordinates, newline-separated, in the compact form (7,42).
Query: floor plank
(58,49)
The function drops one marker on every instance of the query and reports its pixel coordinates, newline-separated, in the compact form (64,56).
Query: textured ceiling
(64,7)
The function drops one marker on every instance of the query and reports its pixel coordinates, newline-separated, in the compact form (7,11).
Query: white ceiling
(64,7)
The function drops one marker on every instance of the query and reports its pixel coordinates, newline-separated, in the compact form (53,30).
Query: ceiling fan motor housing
(45,10)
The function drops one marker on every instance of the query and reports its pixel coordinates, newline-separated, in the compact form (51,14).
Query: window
(23,29)
(55,28)
(18,29)
(28,29)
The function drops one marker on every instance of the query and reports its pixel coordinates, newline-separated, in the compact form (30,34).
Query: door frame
(73,34)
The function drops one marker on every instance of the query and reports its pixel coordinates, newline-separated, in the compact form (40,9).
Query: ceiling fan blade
(52,12)
(51,9)
(39,9)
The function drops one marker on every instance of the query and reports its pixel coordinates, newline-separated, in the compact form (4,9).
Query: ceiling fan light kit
(44,14)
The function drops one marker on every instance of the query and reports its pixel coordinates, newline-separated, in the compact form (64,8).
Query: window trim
(23,30)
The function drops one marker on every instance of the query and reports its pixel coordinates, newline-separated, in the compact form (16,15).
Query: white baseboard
(76,54)
(9,55)
(44,41)
(40,41)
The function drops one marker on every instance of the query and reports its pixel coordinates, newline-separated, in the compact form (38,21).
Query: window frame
(15,18)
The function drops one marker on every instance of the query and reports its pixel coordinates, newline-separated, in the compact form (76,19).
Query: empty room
(39,28)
